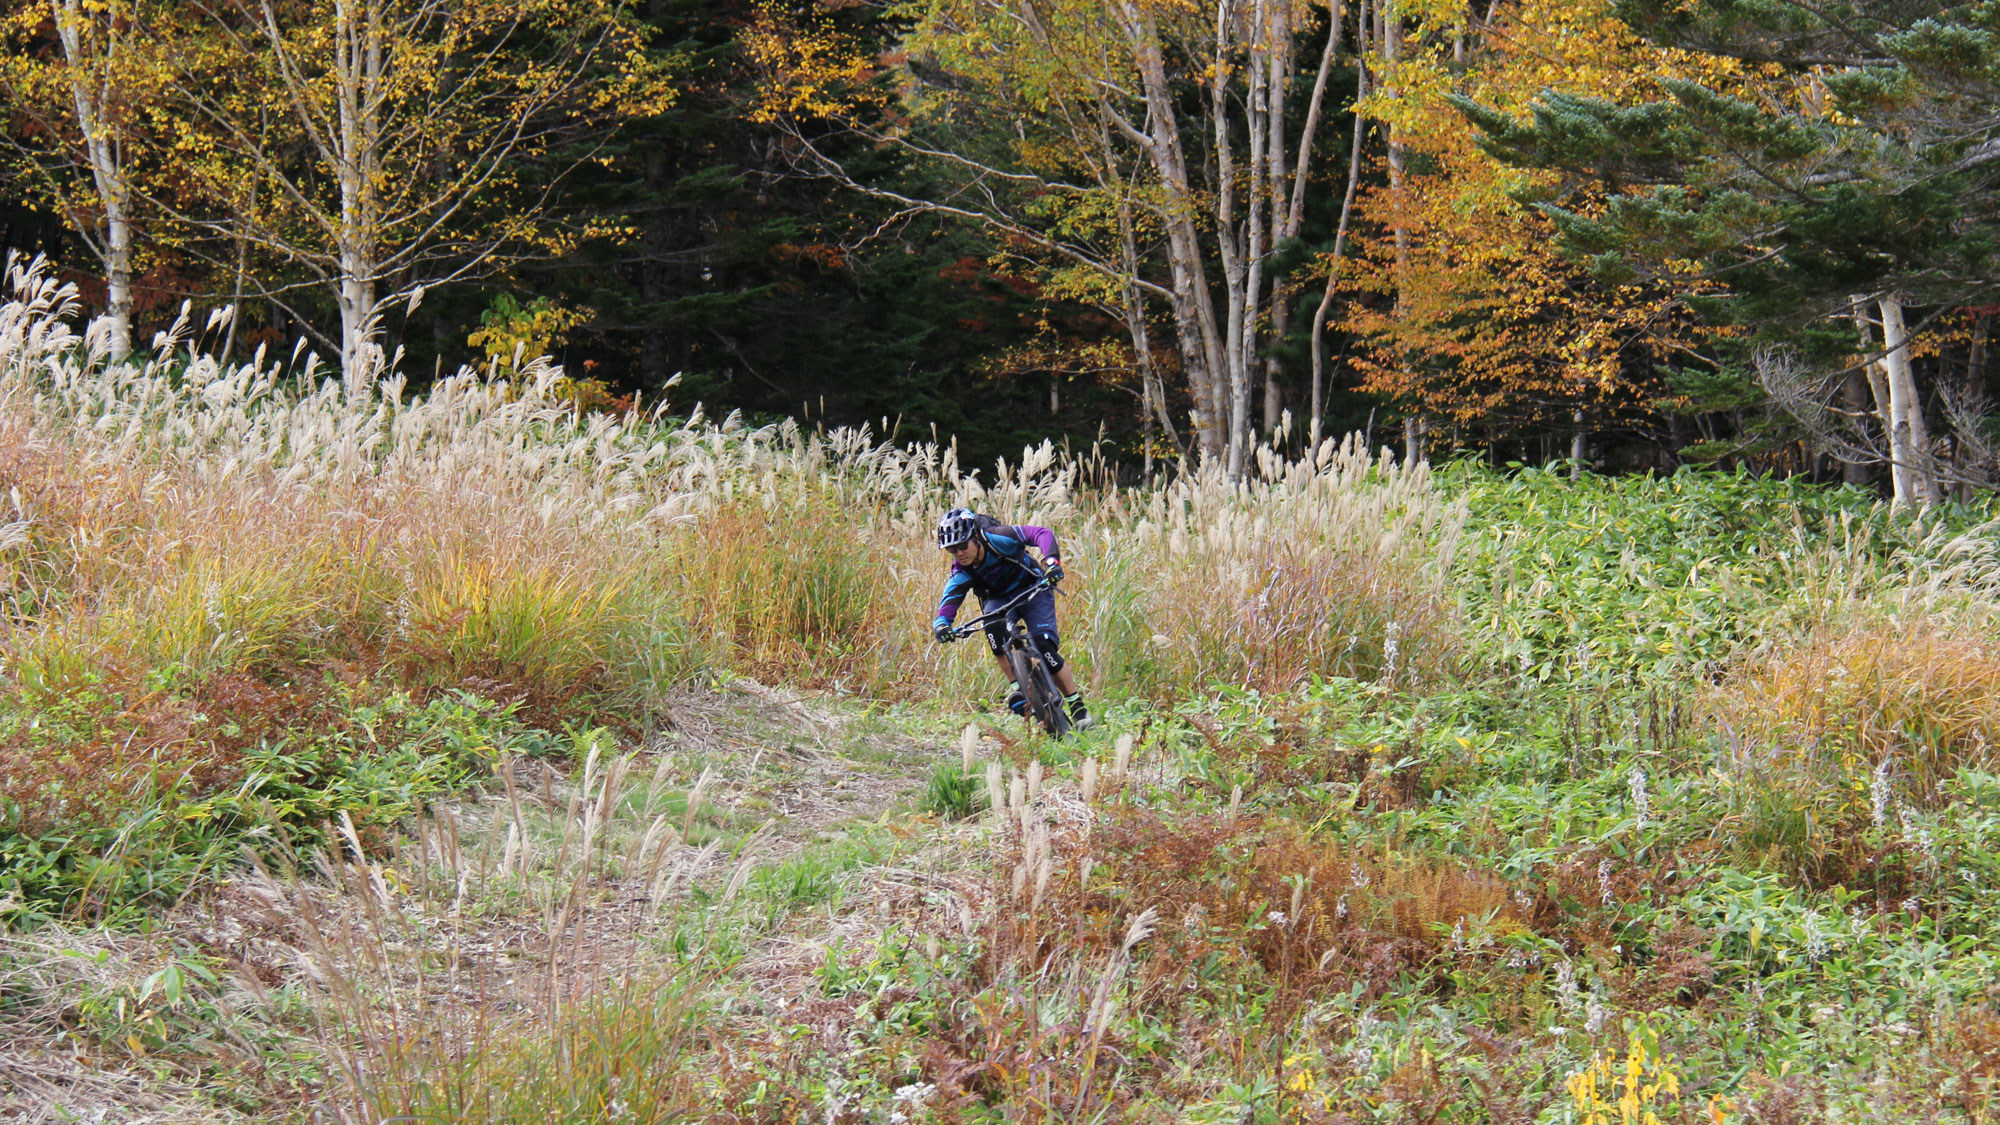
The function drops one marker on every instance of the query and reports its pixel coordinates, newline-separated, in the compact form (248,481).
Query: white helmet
(958,526)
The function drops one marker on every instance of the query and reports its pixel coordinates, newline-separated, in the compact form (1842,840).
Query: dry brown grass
(1105,917)
(175,520)
(1921,693)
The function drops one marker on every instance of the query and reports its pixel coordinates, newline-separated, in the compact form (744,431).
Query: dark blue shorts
(1040,614)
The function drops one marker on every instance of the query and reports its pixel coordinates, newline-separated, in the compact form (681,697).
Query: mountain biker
(998,561)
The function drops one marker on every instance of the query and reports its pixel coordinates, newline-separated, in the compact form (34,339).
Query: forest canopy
(1632,234)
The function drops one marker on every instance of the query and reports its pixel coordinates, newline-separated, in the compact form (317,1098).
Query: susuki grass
(175,523)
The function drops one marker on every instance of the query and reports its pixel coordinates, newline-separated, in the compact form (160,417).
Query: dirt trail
(786,772)
(796,759)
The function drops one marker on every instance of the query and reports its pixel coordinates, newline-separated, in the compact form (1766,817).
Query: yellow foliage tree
(1466,309)
(387,146)
(82,86)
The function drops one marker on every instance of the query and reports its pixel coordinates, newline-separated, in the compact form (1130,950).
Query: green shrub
(952,793)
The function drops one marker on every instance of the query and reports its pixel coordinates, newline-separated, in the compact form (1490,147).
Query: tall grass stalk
(180,518)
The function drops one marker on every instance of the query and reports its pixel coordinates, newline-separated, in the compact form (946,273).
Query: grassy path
(747,822)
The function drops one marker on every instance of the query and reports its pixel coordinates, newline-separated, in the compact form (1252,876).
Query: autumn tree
(1844,203)
(81,82)
(375,148)
(1466,312)
(1154,144)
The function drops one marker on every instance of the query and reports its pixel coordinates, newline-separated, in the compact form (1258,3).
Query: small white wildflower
(1816,945)
(1878,793)
(1362,1052)
(1276,918)
(1594,1016)
(1566,991)
(1358,876)
(1340,908)
(1916,835)
(1391,647)
(1458,936)
(1642,804)
(1604,881)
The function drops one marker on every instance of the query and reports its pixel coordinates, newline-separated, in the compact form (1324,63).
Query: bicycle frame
(1031,673)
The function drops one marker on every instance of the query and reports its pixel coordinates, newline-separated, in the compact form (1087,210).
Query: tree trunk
(1153,396)
(1910,442)
(1240,263)
(1201,345)
(1274,399)
(1854,392)
(1975,359)
(1391,34)
(105,155)
(1878,390)
(1293,212)
(1317,428)
(359,71)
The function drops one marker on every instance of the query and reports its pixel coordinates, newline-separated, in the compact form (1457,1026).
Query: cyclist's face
(966,553)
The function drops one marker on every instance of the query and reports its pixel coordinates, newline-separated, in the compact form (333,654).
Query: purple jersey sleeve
(1042,538)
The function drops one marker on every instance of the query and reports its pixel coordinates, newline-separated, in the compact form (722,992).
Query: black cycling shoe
(1079,715)
(1016,702)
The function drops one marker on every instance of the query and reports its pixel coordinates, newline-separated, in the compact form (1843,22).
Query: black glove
(943,632)
(1052,571)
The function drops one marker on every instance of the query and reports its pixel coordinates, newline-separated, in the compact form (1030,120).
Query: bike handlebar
(966,629)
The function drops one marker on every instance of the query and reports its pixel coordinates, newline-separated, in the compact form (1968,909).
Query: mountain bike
(1037,683)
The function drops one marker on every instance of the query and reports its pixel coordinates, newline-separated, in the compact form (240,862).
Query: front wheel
(1038,687)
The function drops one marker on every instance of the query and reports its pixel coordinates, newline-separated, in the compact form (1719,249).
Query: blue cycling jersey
(1004,571)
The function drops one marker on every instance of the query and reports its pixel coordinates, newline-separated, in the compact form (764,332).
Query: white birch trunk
(1909,439)
(1234,270)
(359,71)
(90,81)
(1878,390)
(1317,429)
(1259,201)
